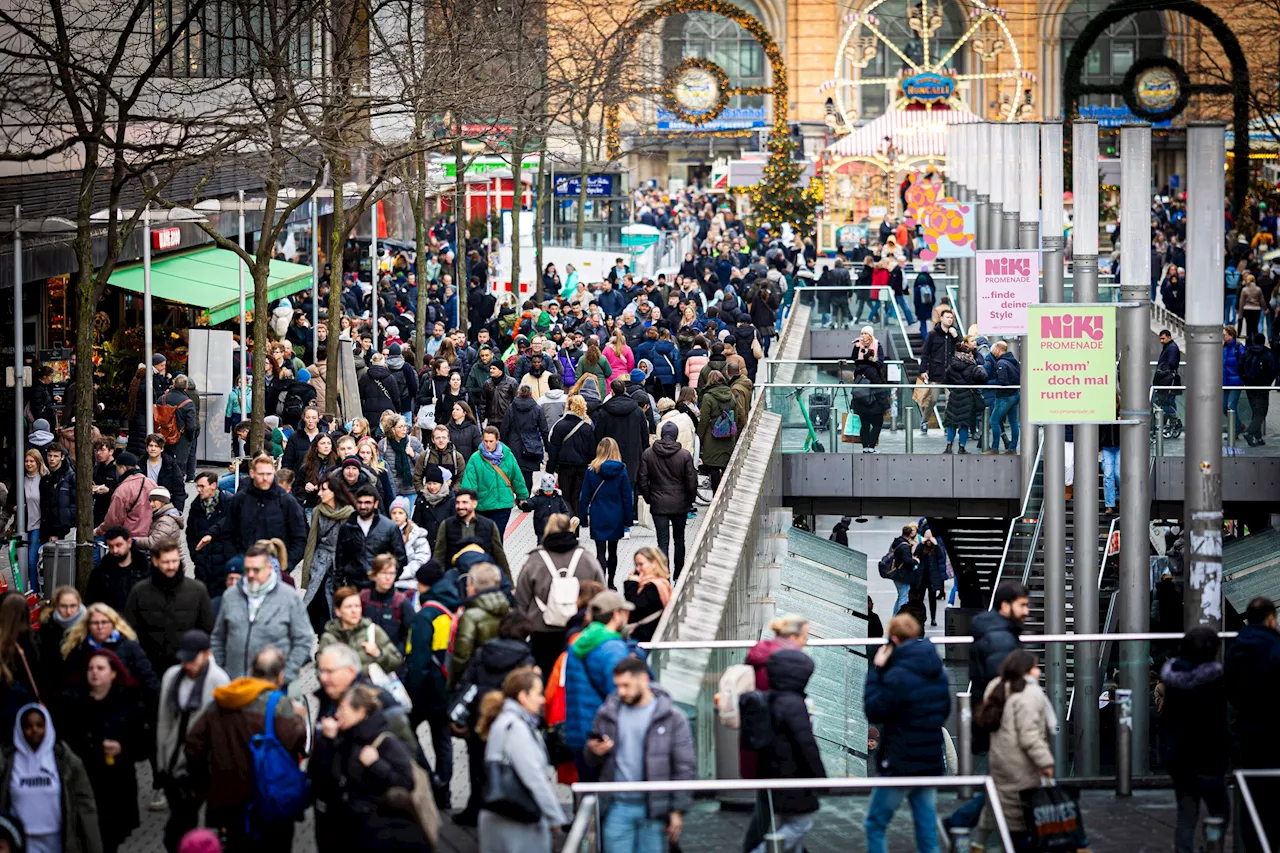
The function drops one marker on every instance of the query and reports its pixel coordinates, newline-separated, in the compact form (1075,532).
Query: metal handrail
(953,640)
(1250,806)
(1031,549)
(581,821)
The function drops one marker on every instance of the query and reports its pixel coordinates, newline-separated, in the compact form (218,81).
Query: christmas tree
(780,197)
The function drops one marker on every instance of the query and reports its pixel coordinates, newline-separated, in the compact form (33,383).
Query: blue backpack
(281,791)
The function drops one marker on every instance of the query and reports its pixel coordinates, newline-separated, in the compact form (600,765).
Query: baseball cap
(193,642)
(609,601)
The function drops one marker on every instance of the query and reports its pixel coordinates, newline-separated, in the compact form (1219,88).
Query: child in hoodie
(545,502)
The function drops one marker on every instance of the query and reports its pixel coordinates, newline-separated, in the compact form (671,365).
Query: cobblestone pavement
(519,542)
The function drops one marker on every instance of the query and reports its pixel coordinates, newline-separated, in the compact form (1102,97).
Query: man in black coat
(167,605)
(185,418)
(466,526)
(939,347)
(43,404)
(295,452)
(1252,671)
(378,392)
(668,480)
(363,536)
(621,418)
(210,508)
(262,511)
(122,567)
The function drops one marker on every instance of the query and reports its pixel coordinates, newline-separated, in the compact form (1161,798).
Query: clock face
(696,90)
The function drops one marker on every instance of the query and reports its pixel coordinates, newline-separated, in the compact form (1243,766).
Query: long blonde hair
(80,630)
(619,342)
(41,468)
(606,451)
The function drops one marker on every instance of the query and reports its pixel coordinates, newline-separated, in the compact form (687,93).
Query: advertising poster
(948,230)
(1071,356)
(1008,283)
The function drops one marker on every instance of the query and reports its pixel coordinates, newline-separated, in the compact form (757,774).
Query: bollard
(964,749)
(910,433)
(1231,429)
(960,840)
(894,408)
(1214,834)
(986,428)
(773,842)
(1159,433)
(1124,742)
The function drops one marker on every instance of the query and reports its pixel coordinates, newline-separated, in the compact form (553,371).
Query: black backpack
(289,407)
(756,718)
(887,565)
(1253,367)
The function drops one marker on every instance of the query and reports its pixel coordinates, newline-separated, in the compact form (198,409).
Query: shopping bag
(391,683)
(850,428)
(426,418)
(644,515)
(1053,817)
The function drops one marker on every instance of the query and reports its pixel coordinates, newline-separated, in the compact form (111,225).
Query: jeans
(884,802)
(33,560)
(1110,475)
(1231,403)
(665,527)
(872,306)
(499,517)
(909,317)
(1005,408)
(1228,309)
(904,591)
(964,435)
(793,831)
(1189,791)
(924,326)
(628,829)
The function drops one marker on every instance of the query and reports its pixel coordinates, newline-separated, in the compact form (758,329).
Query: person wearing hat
(435,501)
(41,435)
(129,502)
(186,692)
(166,520)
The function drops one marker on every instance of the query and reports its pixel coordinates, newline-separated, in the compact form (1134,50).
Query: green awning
(209,278)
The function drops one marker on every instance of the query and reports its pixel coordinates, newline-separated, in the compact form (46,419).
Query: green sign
(484,165)
(1071,356)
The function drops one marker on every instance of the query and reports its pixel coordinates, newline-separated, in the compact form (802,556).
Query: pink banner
(1008,282)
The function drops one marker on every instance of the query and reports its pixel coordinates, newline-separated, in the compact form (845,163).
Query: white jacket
(685,425)
(417,549)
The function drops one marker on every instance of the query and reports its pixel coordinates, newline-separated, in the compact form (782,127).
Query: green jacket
(494,491)
(570,285)
(477,625)
(79,808)
(711,402)
(389,658)
(602,370)
(478,375)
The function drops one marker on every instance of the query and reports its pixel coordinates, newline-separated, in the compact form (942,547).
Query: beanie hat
(40,425)
(200,840)
(126,460)
(637,376)
(394,349)
(304,375)
(402,503)
(432,473)
(352,462)
(670,430)
(157,359)
(430,573)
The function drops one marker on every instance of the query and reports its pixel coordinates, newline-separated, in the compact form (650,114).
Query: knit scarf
(66,623)
(107,643)
(337,514)
(400,449)
(663,585)
(210,504)
(194,699)
(494,456)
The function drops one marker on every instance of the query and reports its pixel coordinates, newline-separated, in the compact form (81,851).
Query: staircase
(976,543)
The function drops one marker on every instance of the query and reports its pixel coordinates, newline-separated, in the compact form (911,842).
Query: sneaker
(626,534)
(924,429)
(947,449)
(158,802)
(1011,452)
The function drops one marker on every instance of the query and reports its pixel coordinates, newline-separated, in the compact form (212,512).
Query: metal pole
(1135,438)
(964,749)
(1124,726)
(1203,471)
(19,392)
(1084,169)
(146,317)
(244,339)
(315,279)
(995,185)
(982,201)
(1027,138)
(1012,185)
(373,273)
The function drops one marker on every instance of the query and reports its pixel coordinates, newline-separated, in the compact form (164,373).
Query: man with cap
(186,690)
(129,502)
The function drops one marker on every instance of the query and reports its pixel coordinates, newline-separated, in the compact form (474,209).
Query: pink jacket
(622,364)
(131,505)
(693,365)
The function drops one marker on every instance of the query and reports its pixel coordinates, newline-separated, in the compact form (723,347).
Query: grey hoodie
(553,404)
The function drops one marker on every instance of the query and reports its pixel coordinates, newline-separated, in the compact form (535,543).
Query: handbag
(506,795)
(644,515)
(1053,817)
(391,683)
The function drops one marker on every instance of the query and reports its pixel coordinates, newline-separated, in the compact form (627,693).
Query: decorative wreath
(1130,88)
(722,91)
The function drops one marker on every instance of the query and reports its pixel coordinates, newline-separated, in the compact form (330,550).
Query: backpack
(280,791)
(453,632)
(422,798)
(165,419)
(888,566)
(289,406)
(725,425)
(1232,277)
(1253,368)
(735,682)
(756,719)
(397,604)
(562,598)
(925,293)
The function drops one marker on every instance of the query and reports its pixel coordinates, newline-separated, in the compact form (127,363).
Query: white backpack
(562,600)
(736,680)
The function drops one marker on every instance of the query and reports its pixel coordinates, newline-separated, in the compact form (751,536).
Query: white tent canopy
(912,133)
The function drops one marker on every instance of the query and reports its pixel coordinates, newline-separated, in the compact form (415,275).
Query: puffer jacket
(534,581)
(1232,361)
(490,665)
(1020,748)
(263,514)
(162,609)
(576,449)
(496,490)
(389,657)
(465,438)
(588,674)
(417,549)
(525,432)
(716,452)
(166,525)
(379,392)
(964,405)
(401,485)
(694,361)
(794,751)
(910,699)
(478,624)
(58,501)
(211,560)
(668,478)
(1193,723)
(449,459)
(1253,687)
(668,751)
(621,418)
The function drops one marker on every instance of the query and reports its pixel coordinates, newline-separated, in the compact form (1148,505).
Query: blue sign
(742,118)
(598,186)
(1114,116)
(927,86)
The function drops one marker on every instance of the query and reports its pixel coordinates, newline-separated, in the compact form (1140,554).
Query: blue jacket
(664,357)
(909,699)
(606,502)
(588,678)
(611,303)
(1232,356)
(1253,688)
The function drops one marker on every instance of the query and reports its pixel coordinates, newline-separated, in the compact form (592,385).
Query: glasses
(99,623)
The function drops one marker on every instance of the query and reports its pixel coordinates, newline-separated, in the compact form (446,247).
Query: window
(214,40)
(715,37)
(1115,51)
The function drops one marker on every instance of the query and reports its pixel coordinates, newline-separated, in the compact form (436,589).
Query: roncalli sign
(1071,356)
(1008,282)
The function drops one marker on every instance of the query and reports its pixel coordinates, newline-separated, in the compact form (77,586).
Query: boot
(948,448)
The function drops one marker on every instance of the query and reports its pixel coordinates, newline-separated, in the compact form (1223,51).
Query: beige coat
(166,524)
(1020,749)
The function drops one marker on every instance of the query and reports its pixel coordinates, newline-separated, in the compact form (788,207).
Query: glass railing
(851,308)
(1254,430)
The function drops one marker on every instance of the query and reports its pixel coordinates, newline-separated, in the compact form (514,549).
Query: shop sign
(1071,359)
(598,186)
(740,118)
(1008,283)
(927,86)
(166,238)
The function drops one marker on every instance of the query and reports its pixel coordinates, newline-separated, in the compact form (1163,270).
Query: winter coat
(514,739)
(428,516)
(1008,371)
(170,477)
(489,667)
(621,418)
(161,609)
(533,584)
(602,370)
(88,722)
(694,361)
(553,405)
(588,678)
(716,452)
(170,757)
(445,401)
(210,561)
(1252,667)
(131,655)
(994,636)
(939,349)
(477,625)
(794,751)
(525,431)
(417,549)
(448,459)
(497,395)
(427,649)
(543,506)
(400,485)
(1232,362)
(406,379)
(378,393)
(111,584)
(668,751)
(281,621)
(933,565)
(964,405)
(166,526)
(1020,748)
(356,549)
(606,504)
(668,478)
(80,817)
(685,424)
(130,506)
(570,444)
(451,536)
(1194,736)
(909,699)
(869,402)
(255,514)
(58,501)
(465,438)
(499,486)
(389,657)
(476,376)
(392,611)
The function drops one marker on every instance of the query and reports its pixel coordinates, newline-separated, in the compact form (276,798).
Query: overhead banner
(1071,356)
(1008,283)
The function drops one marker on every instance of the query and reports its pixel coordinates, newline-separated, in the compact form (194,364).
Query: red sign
(166,238)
